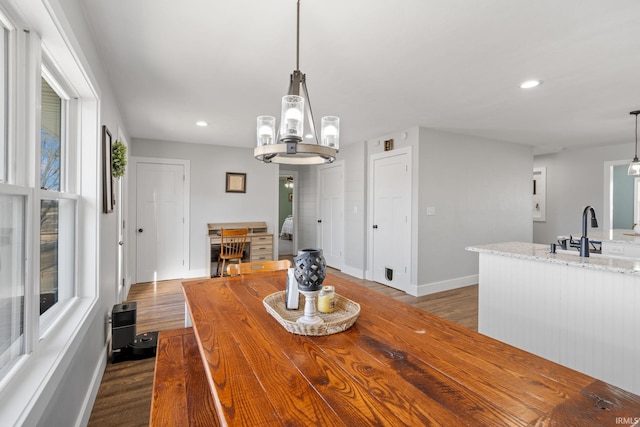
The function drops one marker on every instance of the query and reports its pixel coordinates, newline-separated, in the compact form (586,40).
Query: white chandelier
(289,145)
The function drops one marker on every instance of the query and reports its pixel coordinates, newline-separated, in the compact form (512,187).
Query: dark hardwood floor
(124,397)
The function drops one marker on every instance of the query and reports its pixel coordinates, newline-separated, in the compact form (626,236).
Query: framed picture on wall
(107,177)
(236,182)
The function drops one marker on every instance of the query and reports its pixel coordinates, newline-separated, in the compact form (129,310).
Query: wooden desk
(397,365)
(259,241)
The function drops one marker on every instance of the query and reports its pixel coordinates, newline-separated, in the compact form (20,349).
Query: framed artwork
(236,182)
(107,177)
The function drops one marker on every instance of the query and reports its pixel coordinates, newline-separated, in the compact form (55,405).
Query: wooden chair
(232,242)
(257,267)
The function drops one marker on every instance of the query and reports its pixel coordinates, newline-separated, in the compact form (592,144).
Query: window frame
(67,288)
(38,32)
(27,196)
(4,96)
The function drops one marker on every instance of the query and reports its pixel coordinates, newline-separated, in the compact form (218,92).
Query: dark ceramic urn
(310,269)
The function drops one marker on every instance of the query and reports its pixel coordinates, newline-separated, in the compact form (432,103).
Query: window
(13,232)
(49,218)
(12,281)
(4,66)
(50,138)
(57,204)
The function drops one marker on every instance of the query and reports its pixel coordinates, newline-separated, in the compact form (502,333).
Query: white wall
(209,201)
(575,179)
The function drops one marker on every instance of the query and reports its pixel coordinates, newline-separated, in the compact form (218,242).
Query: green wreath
(118,159)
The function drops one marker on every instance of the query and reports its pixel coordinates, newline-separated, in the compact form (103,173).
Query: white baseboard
(96,379)
(197,274)
(355,272)
(445,285)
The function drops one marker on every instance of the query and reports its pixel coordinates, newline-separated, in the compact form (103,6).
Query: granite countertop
(539,252)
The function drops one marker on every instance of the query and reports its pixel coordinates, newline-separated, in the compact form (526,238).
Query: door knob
(375,226)
(140,230)
(121,243)
(319,221)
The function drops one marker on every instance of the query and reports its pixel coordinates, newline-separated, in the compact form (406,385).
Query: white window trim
(25,394)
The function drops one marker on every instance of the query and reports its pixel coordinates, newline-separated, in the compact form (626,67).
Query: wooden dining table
(396,366)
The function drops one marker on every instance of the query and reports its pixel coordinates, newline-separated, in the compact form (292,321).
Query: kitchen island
(582,313)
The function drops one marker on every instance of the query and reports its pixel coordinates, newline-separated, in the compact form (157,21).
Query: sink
(576,252)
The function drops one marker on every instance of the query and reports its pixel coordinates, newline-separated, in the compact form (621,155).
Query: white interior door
(331,211)
(160,223)
(391,219)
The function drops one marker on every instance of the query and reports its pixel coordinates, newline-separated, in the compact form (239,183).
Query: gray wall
(480,190)
(209,201)
(575,179)
(355,182)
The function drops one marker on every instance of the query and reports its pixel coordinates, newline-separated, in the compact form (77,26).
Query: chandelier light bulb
(291,124)
(330,131)
(292,118)
(266,130)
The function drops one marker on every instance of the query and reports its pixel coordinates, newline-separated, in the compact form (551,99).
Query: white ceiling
(381,65)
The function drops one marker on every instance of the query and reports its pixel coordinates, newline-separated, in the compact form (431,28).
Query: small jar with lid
(326,299)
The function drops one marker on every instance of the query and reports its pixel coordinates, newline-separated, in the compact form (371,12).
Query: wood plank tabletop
(398,365)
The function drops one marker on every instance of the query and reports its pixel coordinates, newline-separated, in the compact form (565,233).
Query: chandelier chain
(298,38)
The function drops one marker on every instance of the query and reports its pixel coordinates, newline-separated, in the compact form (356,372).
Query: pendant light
(634,166)
(289,144)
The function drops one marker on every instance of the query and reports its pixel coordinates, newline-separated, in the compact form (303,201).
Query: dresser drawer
(261,250)
(262,240)
(261,247)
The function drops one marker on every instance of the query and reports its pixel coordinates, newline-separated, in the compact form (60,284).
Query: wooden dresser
(259,241)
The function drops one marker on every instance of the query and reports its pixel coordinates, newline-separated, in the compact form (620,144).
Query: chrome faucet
(584,241)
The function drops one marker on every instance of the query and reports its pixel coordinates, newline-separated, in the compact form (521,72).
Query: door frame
(337,163)
(123,275)
(294,212)
(133,186)
(370,203)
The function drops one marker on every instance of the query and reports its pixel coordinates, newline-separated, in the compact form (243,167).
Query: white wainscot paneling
(582,318)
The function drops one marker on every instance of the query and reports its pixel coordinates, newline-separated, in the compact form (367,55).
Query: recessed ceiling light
(530,84)
(202,123)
